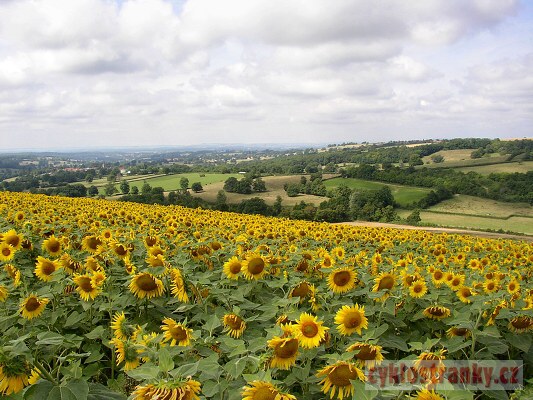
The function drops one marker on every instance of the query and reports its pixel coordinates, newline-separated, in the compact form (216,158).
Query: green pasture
(172,182)
(403,195)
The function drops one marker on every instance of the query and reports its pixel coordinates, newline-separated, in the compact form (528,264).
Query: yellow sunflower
(3,293)
(7,252)
(15,374)
(13,239)
(120,250)
(168,390)
(438,277)
(285,352)
(384,281)
(521,324)
(425,394)
(52,246)
(254,267)
(437,312)
(341,280)
(513,287)
(338,377)
(85,287)
(350,319)
(309,331)
(418,289)
(146,285)
(460,332)
(366,354)
(177,285)
(176,333)
(33,306)
(92,244)
(464,293)
(261,390)
(430,364)
(302,290)
(122,329)
(44,268)
(13,273)
(232,268)
(491,286)
(233,325)
(127,352)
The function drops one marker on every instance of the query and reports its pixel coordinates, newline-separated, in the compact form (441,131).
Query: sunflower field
(111,300)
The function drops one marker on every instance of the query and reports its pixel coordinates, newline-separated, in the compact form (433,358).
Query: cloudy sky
(93,73)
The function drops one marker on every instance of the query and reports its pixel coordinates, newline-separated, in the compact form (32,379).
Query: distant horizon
(228,146)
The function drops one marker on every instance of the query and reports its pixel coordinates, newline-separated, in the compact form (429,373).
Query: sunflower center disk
(178,333)
(386,282)
(32,304)
(54,246)
(6,251)
(85,284)
(522,322)
(48,268)
(256,266)
(146,283)
(366,353)
(309,330)
(353,320)
(341,375)
(235,268)
(341,278)
(235,323)
(287,349)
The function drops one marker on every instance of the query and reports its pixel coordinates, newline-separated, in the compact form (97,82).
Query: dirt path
(492,235)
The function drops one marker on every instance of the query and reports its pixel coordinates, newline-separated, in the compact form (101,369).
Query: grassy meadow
(404,195)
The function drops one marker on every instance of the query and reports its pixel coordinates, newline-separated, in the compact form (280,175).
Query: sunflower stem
(44,373)
(473,347)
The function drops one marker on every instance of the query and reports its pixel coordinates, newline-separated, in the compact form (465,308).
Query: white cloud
(135,65)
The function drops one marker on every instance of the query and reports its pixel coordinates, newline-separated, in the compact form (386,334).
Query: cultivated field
(274,185)
(462,204)
(461,158)
(172,182)
(105,300)
(404,195)
(520,167)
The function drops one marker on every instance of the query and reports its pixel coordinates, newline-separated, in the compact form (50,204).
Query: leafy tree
(124,186)
(220,202)
(413,218)
(146,188)
(437,158)
(184,183)
(258,185)
(135,190)
(292,190)
(197,187)
(93,191)
(110,189)
(230,185)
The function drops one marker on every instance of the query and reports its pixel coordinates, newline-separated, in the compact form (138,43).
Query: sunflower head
(350,319)
(183,390)
(342,280)
(86,287)
(146,285)
(262,390)
(233,325)
(7,252)
(521,324)
(366,354)
(285,351)
(309,331)
(232,268)
(176,333)
(13,239)
(52,246)
(32,306)
(437,312)
(254,266)
(337,378)
(15,373)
